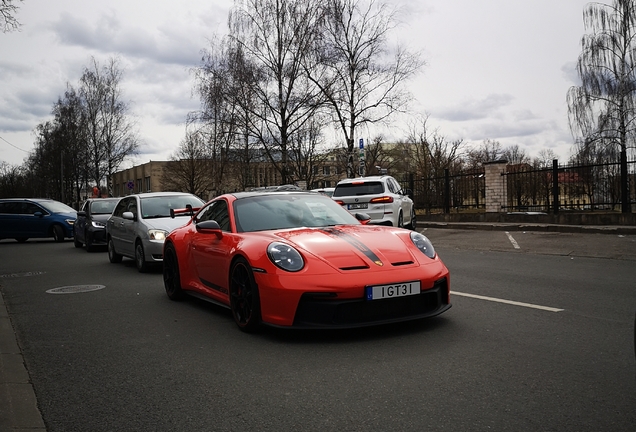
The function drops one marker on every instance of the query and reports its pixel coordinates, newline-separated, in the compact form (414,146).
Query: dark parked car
(90,226)
(25,218)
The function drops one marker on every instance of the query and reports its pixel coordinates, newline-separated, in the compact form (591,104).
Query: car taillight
(339,202)
(382,200)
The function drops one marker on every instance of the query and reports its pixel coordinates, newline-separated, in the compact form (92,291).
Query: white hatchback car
(380,197)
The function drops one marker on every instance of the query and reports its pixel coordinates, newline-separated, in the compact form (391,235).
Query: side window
(132,206)
(121,207)
(30,209)
(396,185)
(216,211)
(390,186)
(5,208)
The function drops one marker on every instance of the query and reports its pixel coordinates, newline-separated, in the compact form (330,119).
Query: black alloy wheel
(58,233)
(89,241)
(413,219)
(244,299)
(171,278)
(140,258)
(113,256)
(78,244)
(400,221)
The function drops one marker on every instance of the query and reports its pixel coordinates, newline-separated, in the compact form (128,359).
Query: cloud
(110,36)
(475,109)
(570,73)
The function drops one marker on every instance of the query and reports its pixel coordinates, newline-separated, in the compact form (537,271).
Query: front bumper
(315,310)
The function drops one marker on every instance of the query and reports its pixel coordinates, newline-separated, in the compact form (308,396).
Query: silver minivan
(140,223)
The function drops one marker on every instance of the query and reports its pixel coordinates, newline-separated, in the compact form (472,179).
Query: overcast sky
(496,69)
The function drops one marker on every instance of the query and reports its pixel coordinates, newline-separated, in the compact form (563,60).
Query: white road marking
(498,300)
(513,241)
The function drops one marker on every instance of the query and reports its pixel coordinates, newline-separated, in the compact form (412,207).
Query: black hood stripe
(355,243)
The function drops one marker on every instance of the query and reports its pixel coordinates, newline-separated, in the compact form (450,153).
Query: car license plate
(401,289)
(357,206)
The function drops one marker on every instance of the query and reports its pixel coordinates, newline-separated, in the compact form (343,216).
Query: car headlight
(70,221)
(285,257)
(423,244)
(97,224)
(159,235)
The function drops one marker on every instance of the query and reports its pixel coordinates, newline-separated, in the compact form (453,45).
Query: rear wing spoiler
(189,210)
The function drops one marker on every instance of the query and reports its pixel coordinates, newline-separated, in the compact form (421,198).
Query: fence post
(496,186)
(555,186)
(446,191)
(626,205)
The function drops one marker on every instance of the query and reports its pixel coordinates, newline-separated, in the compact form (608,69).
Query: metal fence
(581,187)
(585,187)
(458,192)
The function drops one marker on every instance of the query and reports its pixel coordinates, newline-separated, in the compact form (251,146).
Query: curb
(496,226)
(17,397)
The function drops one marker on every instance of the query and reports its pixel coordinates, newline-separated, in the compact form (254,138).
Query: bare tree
(306,152)
(603,107)
(275,36)
(8,10)
(432,152)
(360,75)
(488,151)
(70,131)
(544,159)
(110,133)
(189,169)
(515,155)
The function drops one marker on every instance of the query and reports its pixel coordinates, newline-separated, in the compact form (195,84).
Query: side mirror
(363,218)
(209,227)
(129,216)
(81,213)
(38,214)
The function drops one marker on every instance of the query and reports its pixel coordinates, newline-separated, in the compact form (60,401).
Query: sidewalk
(18,404)
(514,226)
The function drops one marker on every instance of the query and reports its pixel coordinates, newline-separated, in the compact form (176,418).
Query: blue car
(25,218)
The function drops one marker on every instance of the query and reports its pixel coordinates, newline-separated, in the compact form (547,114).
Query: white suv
(381,197)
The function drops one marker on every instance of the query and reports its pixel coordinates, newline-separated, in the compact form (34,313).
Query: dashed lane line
(513,241)
(510,302)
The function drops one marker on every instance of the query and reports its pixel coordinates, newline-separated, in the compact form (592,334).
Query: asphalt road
(540,337)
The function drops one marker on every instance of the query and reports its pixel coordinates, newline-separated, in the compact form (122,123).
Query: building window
(138,188)
(147,180)
(326,170)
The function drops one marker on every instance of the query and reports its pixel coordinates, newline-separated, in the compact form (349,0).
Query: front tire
(171,275)
(400,221)
(140,258)
(113,256)
(244,298)
(89,242)
(78,244)
(58,233)
(413,224)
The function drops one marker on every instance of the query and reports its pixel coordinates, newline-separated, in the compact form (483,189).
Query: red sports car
(299,260)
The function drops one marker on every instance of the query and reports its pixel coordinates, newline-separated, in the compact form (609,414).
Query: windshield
(159,207)
(56,207)
(282,211)
(355,189)
(103,206)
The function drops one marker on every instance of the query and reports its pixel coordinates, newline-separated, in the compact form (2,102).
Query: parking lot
(540,337)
